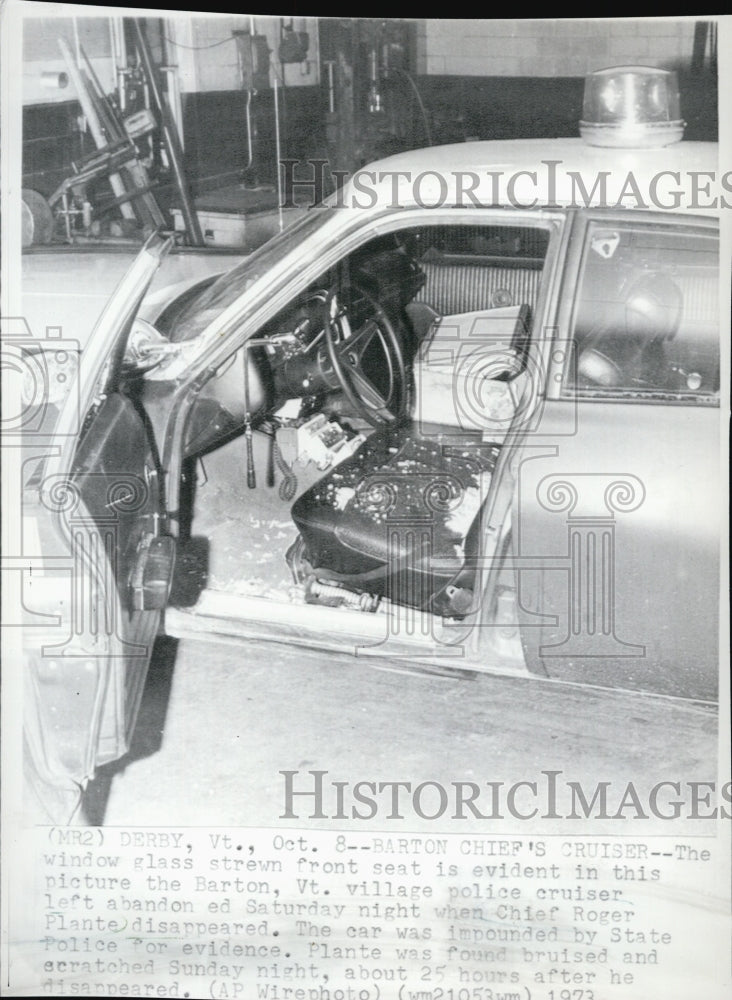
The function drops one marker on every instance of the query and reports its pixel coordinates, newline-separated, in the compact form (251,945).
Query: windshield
(227,289)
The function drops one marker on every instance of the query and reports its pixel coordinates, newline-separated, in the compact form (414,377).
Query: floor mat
(239,536)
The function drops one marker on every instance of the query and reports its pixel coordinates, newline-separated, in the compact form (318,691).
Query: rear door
(617,516)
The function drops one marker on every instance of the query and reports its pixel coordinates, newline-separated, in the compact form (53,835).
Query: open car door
(96,508)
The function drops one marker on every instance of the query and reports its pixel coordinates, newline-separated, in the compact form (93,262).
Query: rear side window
(646,317)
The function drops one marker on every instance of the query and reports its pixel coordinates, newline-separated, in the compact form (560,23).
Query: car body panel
(644,560)
(545,173)
(677,438)
(655,591)
(648,560)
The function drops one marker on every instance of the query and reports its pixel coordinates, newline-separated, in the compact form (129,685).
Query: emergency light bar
(631,107)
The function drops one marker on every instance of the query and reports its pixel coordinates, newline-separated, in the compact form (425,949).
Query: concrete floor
(68,287)
(218,723)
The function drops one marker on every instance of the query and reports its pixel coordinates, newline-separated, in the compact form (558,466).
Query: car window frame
(273,291)
(583,223)
(269,294)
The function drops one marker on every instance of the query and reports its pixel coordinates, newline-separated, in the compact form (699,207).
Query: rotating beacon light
(631,107)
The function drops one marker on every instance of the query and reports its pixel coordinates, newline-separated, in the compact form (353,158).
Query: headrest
(653,306)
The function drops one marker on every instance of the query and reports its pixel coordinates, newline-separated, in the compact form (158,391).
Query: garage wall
(487,79)
(51,115)
(41,53)
(559,47)
(508,78)
(214,104)
(202,47)
(209,77)
(206,54)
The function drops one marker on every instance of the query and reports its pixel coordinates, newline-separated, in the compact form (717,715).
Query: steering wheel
(367,356)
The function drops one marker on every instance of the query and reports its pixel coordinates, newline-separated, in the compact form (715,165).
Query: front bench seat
(400,517)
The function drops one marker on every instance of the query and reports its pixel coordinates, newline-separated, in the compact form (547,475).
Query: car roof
(543,173)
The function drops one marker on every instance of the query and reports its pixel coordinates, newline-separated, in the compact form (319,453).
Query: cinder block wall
(558,47)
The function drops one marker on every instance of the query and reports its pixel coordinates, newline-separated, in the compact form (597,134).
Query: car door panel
(96,503)
(116,476)
(622,524)
(617,512)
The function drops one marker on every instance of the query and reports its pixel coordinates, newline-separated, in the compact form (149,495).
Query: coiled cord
(288,486)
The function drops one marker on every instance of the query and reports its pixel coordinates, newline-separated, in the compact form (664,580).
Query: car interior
(647,315)
(344,457)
